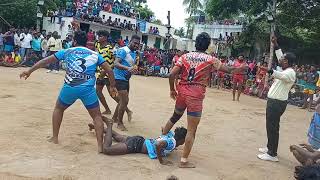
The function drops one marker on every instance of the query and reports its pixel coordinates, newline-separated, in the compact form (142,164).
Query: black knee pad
(175,117)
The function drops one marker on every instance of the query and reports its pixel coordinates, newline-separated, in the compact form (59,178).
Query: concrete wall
(215,30)
(62,30)
(114,16)
(162,29)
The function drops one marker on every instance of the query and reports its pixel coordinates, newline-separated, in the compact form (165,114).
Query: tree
(179,32)
(145,12)
(297,22)
(192,7)
(23,13)
(157,21)
(138,2)
(190,25)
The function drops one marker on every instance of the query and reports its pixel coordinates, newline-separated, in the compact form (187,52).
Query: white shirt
(44,45)
(284,80)
(17,40)
(282,84)
(25,43)
(1,39)
(52,42)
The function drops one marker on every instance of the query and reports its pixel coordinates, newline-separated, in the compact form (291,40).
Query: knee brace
(175,117)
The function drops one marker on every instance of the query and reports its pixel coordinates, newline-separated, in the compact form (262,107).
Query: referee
(277,101)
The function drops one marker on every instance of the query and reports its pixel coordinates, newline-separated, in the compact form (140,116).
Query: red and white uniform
(221,73)
(238,78)
(196,70)
(175,59)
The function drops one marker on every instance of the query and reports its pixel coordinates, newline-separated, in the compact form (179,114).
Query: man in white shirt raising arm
(277,101)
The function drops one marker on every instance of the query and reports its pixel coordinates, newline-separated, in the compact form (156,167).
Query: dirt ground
(226,145)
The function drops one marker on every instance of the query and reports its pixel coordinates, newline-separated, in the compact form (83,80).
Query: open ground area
(226,145)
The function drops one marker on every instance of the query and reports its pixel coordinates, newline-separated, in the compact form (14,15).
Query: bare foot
(53,140)
(122,127)
(107,112)
(233,100)
(186,165)
(130,116)
(238,100)
(91,126)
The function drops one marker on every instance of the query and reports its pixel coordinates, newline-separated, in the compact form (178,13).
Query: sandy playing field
(226,145)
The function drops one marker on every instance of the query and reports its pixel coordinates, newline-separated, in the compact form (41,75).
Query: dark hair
(135,37)
(103,33)
(311,172)
(80,37)
(180,133)
(290,57)
(172,177)
(203,41)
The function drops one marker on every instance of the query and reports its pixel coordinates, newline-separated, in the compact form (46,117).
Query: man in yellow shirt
(53,45)
(105,50)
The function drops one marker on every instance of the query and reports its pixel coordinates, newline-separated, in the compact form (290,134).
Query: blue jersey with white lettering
(127,58)
(152,143)
(81,65)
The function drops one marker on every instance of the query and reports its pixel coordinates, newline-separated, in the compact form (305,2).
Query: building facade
(157,40)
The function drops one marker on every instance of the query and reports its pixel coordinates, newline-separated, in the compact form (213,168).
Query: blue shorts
(68,95)
(156,68)
(8,48)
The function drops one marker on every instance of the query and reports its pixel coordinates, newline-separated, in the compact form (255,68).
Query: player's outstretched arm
(159,146)
(42,63)
(231,70)
(172,76)
(107,70)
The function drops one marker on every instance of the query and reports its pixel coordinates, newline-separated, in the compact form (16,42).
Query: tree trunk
(188,27)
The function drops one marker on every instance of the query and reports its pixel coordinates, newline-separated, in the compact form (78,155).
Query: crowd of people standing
(25,47)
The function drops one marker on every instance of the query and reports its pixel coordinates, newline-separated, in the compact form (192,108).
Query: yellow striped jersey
(107,54)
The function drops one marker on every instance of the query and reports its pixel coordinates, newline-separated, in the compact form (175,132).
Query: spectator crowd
(25,47)
(89,10)
(304,93)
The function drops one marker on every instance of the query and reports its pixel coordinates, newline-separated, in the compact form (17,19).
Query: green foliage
(298,23)
(145,12)
(23,13)
(138,2)
(192,6)
(179,32)
(157,21)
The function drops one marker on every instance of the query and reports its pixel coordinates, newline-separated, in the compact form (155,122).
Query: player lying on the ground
(154,147)
(310,172)
(305,154)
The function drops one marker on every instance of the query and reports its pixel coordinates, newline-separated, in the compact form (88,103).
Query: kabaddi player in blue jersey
(124,67)
(79,82)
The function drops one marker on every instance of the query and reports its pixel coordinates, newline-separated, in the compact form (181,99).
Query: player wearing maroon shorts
(195,69)
(221,75)
(238,78)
